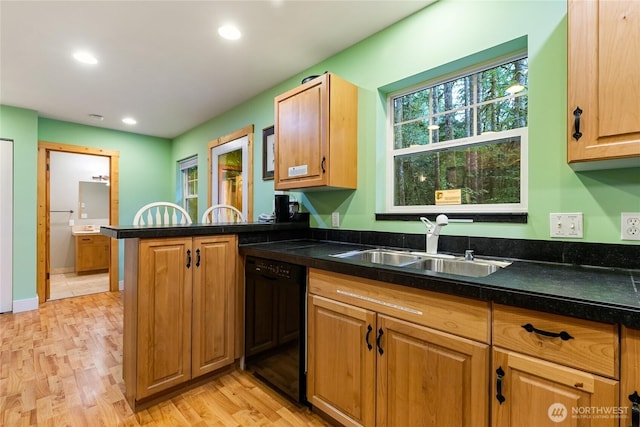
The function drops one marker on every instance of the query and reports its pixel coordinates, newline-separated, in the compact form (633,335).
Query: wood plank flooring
(61,365)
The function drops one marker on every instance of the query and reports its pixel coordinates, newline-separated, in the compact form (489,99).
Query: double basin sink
(426,262)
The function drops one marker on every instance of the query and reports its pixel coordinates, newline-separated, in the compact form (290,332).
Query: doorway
(80,211)
(230,160)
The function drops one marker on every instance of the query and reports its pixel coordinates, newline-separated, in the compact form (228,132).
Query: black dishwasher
(274,343)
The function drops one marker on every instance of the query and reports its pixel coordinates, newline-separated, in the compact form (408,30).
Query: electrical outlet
(335,219)
(566,225)
(630,226)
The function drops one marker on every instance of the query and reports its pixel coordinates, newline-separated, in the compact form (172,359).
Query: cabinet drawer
(90,240)
(459,316)
(583,344)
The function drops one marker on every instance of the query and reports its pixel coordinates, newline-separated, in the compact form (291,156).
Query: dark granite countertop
(155,231)
(593,293)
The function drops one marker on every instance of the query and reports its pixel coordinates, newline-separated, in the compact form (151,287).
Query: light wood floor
(61,365)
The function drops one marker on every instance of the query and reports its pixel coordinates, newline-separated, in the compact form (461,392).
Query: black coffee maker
(281,208)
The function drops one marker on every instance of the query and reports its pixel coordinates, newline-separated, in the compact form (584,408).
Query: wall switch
(630,226)
(335,219)
(566,225)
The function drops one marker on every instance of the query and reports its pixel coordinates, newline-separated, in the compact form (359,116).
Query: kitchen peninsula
(490,317)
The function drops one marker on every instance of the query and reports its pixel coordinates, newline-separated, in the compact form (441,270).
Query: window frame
(392,153)
(184,166)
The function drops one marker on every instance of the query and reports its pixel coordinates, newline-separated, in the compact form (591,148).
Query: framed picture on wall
(268,153)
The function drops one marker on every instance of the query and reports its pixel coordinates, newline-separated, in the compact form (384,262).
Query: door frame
(245,131)
(43,214)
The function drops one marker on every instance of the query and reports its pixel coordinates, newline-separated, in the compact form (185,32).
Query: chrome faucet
(433,232)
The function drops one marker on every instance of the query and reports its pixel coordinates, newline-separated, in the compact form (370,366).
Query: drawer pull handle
(380,350)
(499,379)
(563,335)
(188,258)
(576,123)
(322,163)
(366,338)
(635,409)
(197,257)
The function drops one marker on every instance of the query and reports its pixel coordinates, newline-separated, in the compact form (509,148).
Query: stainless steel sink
(457,266)
(380,256)
(449,265)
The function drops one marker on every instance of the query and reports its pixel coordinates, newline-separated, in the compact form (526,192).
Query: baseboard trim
(28,304)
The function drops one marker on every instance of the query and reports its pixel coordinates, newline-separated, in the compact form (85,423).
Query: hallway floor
(66,285)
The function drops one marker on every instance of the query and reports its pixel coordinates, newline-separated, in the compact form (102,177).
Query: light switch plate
(566,225)
(335,219)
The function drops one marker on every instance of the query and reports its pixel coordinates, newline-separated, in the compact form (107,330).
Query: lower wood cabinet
(552,370)
(530,392)
(366,367)
(179,311)
(92,253)
(630,377)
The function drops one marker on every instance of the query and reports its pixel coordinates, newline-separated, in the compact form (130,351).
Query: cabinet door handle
(635,409)
(188,258)
(324,161)
(499,379)
(366,337)
(197,257)
(576,123)
(380,333)
(563,335)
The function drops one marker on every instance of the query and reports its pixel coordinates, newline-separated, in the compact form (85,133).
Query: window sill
(512,218)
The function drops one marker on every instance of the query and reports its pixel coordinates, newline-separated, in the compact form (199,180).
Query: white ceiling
(162,62)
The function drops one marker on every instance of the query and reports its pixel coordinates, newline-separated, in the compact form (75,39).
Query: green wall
(438,35)
(441,34)
(145,164)
(145,161)
(22,126)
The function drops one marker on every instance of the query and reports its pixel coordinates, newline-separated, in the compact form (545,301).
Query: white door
(6,225)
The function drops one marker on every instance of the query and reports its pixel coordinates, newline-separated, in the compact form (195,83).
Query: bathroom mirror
(94,200)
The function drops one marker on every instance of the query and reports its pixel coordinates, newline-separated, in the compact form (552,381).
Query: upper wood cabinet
(316,132)
(603,84)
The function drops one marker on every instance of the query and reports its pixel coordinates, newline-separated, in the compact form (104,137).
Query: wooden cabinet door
(430,378)
(214,280)
(630,377)
(301,135)
(340,363)
(603,80)
(92,253)
(529,392)
(164,315)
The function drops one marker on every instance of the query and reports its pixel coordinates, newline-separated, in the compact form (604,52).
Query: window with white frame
(188,185)
(460,144)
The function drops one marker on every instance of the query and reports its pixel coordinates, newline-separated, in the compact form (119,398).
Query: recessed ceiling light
(229,32)
(85,57)
(96,117)
(129,121)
